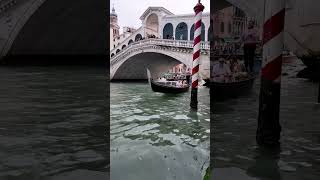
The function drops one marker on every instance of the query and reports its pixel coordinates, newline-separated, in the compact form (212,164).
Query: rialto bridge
(172,44)
(158,55)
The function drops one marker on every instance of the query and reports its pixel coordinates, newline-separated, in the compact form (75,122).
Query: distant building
(230,23)
(114,28)
(115,37)
(158,22)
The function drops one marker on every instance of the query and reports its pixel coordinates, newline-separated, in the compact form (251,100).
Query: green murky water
(156,136)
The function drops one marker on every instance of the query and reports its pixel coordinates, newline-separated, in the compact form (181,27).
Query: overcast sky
(129,11)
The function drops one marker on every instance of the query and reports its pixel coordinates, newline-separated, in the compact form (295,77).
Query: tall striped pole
(268,131)
(196,54)
(319,87)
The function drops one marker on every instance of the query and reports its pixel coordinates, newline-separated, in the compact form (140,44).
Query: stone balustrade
(166,44)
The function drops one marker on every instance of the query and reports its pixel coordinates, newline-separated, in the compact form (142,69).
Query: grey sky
(129,11)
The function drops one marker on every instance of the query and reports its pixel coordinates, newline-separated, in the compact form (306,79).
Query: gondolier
(250,40)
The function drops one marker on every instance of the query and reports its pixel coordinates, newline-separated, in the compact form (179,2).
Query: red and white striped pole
(268,132)
(196,54)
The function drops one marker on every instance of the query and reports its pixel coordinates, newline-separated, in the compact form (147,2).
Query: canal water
(234,123)
(53,123)
(156,136)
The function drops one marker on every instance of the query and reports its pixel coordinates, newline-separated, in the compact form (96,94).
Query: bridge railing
(164,42)
(132,50)
(6,4)
(124,42)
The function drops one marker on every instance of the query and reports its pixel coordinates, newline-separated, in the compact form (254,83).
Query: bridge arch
(161,56)
(134,67)
(32,17)
(203,32)
(210,33)
(167,31)
(138,37)
(181,32)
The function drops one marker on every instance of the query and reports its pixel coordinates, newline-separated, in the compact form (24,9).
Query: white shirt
(250,37)
(220,72)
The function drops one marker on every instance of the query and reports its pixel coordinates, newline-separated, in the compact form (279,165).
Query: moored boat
(224,90)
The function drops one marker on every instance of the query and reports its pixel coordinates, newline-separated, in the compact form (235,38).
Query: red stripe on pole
(195,69)
(197,12)
(196,55)
(197,25)
(273,69)
(273,26)
(195,84)
(196,40)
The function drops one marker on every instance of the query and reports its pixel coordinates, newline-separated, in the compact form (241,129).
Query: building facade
(158,22)
(115,37)
(230,23)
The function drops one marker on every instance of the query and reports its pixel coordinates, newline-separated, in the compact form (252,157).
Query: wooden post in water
(268,131)
(196,55)
(319,90)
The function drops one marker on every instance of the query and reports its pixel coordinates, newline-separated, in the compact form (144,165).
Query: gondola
(166,86)
(227,90)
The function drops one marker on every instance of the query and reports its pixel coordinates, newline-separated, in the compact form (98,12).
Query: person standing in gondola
(250,41)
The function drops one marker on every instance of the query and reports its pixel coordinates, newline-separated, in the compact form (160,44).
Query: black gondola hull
(222,91)
(167,89)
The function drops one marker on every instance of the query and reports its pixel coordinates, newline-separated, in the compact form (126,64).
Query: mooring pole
(319,89)
(196,55)
(268,131)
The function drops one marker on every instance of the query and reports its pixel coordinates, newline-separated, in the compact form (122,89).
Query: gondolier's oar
(149,76)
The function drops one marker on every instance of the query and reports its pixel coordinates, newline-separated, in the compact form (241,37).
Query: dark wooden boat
(312,62)
(166,86)
(231,89)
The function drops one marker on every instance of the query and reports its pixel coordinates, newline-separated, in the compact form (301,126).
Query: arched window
(181,31)
(203,32)
(130,41)
(210,33)
(118,50)
(168,31)
(124,46)
(222,27)
(138,37)
(112,55)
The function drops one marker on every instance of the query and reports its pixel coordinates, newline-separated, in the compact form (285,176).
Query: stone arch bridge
(52,27)
(158,55)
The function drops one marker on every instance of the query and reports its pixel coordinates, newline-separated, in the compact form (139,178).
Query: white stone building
(161,23)
(115,37)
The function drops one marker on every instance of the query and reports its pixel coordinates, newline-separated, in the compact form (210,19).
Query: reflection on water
(52,122)
(156,136)
(234,127)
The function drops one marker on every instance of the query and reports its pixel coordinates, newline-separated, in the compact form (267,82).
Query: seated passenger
(221,72)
